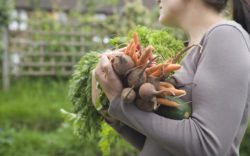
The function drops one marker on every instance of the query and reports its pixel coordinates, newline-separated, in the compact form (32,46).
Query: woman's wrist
(108,118)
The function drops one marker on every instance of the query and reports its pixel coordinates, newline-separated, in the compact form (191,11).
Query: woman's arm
(218,101)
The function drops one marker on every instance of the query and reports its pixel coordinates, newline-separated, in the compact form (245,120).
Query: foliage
(31,123)
(5,12)
(5,17)
(245,144)
(61,142)
(111,144)
(34,104)
(162,40)
(134,13)
(80,94)
(29,135)
(92,5)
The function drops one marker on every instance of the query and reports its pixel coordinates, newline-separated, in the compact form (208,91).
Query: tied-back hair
(241,10)
(241,13)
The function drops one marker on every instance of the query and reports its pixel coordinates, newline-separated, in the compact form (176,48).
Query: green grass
(34,104)
(61,142)
(31,122)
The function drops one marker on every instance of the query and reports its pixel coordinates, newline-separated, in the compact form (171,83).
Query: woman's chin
(163,21)
(166,22)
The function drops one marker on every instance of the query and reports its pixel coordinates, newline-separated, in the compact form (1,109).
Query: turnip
(137,76)
(148,91)
(122,63)
(147,106)
(128,95)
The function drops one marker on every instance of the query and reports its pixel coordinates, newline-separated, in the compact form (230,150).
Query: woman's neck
(197,22)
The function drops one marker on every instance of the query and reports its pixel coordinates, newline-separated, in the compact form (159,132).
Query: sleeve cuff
(115,106)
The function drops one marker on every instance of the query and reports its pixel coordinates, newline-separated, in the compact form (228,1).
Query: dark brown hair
(241,10)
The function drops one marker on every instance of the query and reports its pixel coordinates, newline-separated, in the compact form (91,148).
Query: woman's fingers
(105,65)
(107,78)
(103,68)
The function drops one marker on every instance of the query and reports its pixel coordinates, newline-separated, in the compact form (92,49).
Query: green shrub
(245,145)
(61,142)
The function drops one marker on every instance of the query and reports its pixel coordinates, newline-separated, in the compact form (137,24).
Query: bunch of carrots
(144,80)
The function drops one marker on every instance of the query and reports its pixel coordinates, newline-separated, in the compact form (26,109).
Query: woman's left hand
(109,81)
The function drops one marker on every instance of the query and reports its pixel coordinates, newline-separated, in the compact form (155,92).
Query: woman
(220,92)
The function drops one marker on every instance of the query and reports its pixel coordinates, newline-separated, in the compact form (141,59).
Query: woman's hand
(109,81)
(94,89)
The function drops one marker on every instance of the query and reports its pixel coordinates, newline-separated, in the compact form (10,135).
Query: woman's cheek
(171,11)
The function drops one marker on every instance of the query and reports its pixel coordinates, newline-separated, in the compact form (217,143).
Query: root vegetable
(169,68)
(128,95)
(166,102)
(122,64)
(147,106)
(166,84)
(154,68)
(135,59)
(172,91)
(128,49)
(136,40)
(132,50)
(136,77)
(148,91)
(145,55)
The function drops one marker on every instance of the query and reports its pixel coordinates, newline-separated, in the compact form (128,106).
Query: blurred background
(41,41)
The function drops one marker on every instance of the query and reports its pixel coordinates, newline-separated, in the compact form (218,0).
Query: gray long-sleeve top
(220,98)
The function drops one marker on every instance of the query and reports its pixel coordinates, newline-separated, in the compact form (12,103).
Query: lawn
(31,122)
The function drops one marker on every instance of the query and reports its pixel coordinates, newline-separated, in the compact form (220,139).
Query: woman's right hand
(95,93)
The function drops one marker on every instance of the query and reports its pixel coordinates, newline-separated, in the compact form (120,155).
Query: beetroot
(148,91)
(147,106)
(122,63)
(128,95)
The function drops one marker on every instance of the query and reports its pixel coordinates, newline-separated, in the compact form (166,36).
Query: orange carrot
(128,49)
(167,91)
(166,84)
(136,39)
(132,50)
(135,59)
(154,68)
(169,68)
(145,55)
(167,102)
(172,91)
(179,92)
